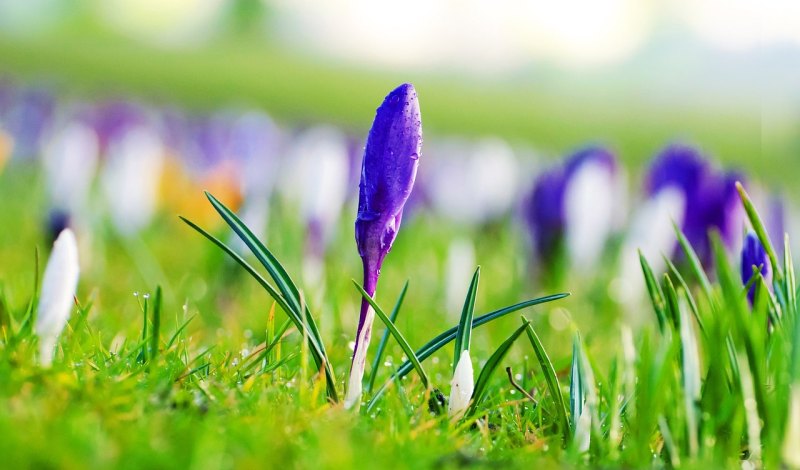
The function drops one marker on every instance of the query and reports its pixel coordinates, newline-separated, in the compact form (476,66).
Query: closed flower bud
(388,171)
(58,290)
(462,386)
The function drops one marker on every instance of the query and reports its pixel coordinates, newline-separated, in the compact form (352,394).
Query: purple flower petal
(754,257)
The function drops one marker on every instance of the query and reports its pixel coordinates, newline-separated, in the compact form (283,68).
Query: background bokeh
(506,88)
(553,74)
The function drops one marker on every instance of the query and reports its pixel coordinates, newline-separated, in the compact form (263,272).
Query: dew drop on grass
(517,376)
(352,345)
(146,296)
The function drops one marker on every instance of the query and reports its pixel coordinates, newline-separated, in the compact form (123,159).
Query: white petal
(462,386)
(58,289)
(353,398)
(651,231)
(459,267)
(70,161)
(589,212)
(131,178)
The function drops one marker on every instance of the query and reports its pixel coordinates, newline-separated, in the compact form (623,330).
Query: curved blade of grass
(690,373)
(761,231)
(491,365)
(552,381)
(155,335)
(655,292)
(445,337)
(396,333)
(275,269)
(694,262)
(672,301)
(384,339)
(686,293)
(464,329)
(736,305)
(317,348)
(575,384)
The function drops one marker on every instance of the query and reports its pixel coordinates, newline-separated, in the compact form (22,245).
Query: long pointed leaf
(396,333)
(445,337)
(482,383)
(552,381)
(317,347)
(385,339)
(464,331)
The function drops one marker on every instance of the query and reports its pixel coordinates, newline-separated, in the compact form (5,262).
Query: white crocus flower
(462,386)
(58,289)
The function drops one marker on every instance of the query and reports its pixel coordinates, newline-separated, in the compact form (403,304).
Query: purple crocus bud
(388,170)
(754,257)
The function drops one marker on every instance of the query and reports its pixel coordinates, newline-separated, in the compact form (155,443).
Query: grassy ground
(197,399)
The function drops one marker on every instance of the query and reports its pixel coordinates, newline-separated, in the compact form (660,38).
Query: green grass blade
(761,231)
(690,373)
(397,335)
(655,292)
(694,263)
(464,331)
(686,293)
(292,308)
(385,339)
(575,384)
(789,281)
(445,337)
(672,301)
(482,382)
(285,284)
(155,335)
(552,381)
(283,281)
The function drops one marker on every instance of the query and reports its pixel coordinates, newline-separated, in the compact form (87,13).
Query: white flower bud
(462,386)
(58,290)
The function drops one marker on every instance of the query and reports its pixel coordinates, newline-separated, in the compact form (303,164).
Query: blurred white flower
(459,267)
(651,232)
(590,200)
(70,161)
(472,183)
(462,386)
(131,178)
(58,290)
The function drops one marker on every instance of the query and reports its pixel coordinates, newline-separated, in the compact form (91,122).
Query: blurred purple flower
(571,208)
(388,171)
(113,119)
(710,200)
(29,119)
(754,257)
